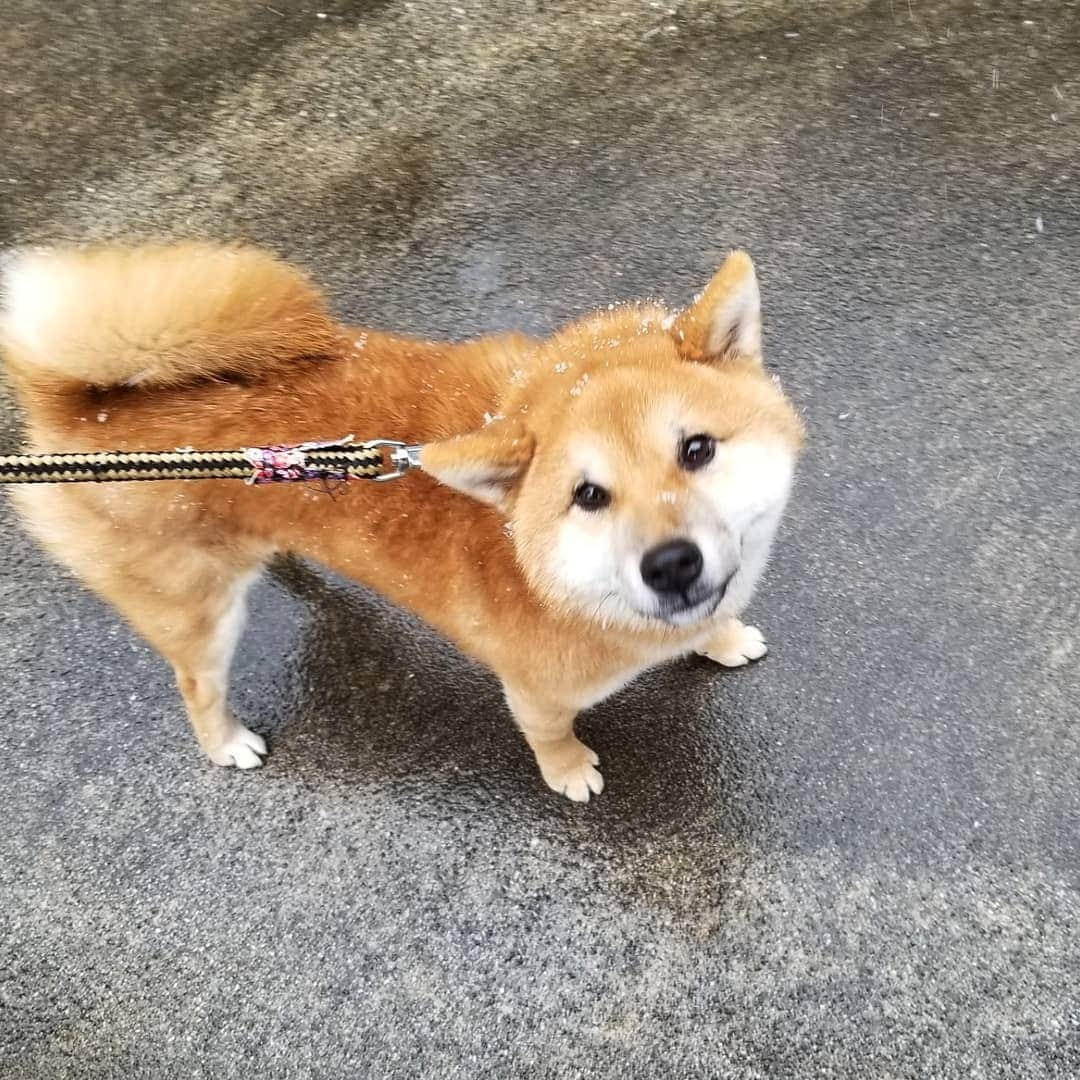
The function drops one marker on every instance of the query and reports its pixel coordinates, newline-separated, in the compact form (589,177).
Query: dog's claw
(736,645)
(577,778)
(588,781)
(243,749)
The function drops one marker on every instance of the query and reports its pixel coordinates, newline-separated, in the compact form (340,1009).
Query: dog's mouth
(693,605)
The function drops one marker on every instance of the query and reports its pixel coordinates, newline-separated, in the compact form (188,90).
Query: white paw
(575,774)
(242,749)
(736,645)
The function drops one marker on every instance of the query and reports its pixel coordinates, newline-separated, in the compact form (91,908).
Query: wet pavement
(858,858)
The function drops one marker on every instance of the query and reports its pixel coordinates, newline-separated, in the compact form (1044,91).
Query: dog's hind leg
(183,589)
(199,641)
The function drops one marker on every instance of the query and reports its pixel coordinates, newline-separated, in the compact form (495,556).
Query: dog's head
(643,461)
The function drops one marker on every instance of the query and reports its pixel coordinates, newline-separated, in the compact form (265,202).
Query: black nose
(672,567)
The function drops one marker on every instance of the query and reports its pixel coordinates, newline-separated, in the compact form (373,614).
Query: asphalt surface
(858,858)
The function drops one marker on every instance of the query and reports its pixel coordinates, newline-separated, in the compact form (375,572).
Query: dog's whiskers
(600,604)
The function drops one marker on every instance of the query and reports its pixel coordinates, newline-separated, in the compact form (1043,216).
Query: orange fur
(227,347)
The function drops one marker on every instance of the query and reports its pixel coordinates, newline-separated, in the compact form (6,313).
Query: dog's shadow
(362,694)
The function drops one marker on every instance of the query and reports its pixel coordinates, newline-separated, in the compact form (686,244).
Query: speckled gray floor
(859,858)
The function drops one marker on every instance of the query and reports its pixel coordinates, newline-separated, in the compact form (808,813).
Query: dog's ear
(725,320)
(486,464)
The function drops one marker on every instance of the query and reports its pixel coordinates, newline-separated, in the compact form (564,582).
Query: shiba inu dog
(590,504)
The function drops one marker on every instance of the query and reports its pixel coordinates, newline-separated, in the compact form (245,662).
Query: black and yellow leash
(341,460)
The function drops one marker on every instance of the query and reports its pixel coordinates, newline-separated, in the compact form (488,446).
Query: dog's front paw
(735,645)
(241,748)
(569,767)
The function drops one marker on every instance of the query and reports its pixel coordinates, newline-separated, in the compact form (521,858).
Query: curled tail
(95,318)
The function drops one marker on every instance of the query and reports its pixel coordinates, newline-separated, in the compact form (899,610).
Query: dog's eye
(696,451)
(591,496)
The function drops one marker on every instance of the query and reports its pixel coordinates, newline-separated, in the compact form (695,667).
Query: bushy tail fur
(160,315)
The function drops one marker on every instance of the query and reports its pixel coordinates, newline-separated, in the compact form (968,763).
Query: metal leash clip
(403,457)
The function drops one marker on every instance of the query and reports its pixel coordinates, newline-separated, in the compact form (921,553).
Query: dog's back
(155,348)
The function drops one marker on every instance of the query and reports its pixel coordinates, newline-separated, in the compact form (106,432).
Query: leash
(340,460)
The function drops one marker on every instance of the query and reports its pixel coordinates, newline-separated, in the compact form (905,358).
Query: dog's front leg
(567,765)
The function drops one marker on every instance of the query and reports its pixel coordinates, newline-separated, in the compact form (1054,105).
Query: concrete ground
(857,859)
